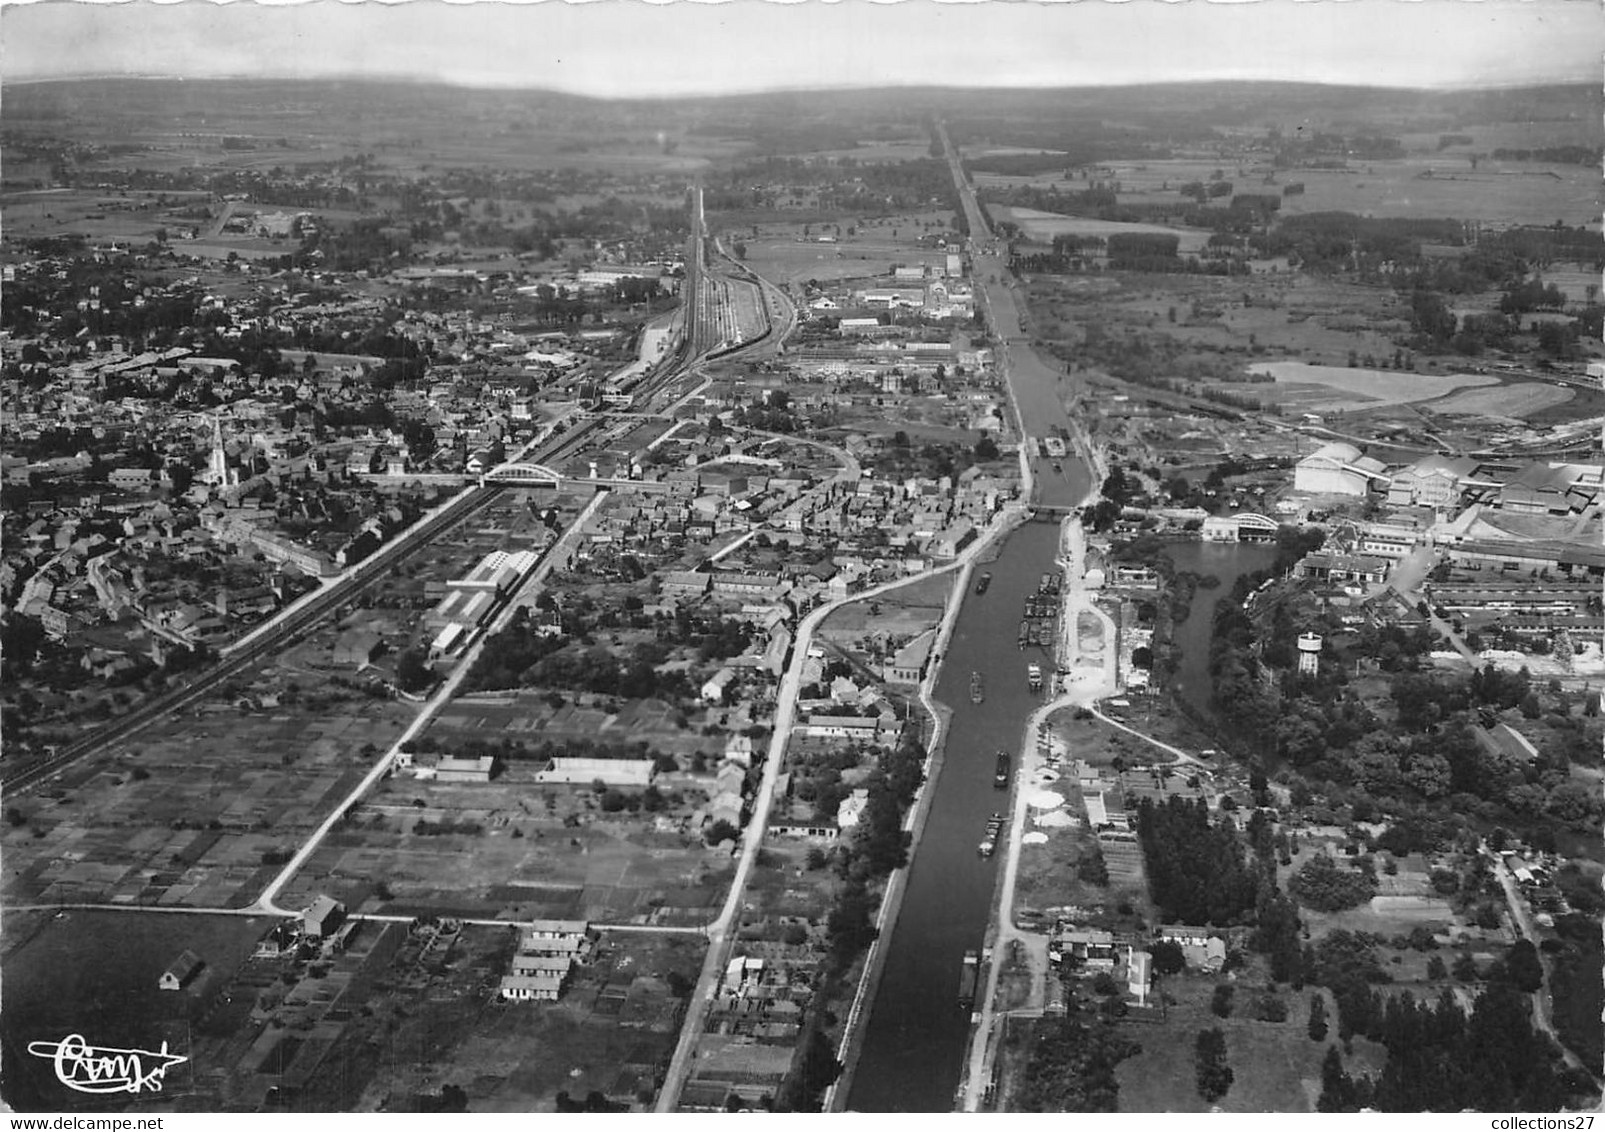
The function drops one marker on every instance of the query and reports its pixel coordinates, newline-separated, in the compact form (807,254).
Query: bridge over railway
(520,474)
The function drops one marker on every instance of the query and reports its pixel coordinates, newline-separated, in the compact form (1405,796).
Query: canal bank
(892,900)
(916,1033)
(915,1036)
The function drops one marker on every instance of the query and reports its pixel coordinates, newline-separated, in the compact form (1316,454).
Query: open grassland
(612,1032)
(1360,388)
(1515,401)
(1044,226)
(520,849)
(1275,1066)
(95,974)
(779,249)
(1420,186)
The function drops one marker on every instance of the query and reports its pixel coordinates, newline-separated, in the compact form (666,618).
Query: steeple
(217,472)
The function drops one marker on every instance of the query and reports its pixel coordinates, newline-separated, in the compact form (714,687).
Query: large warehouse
(1338,469)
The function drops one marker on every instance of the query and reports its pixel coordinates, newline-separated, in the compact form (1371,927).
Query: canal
(916,1036)
(916,1033)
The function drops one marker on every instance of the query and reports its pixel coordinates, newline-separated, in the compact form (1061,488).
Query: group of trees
(522,656)
(1196,869)
(1425,756)
(1325,886)
(1213,1074)
(1072,1065)
(879,845)
(1441,1060)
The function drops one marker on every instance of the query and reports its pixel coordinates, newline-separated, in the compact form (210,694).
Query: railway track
(289,629)
(295,625)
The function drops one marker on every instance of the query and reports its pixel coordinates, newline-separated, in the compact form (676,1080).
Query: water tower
(1309,653)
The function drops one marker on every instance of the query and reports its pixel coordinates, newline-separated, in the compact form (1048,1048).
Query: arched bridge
(1250,521)
(514,472)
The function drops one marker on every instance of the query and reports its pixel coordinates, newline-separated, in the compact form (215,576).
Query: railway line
(703,315)
(287,630)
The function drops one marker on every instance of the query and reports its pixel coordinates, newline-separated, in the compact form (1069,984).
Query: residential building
(180,971)
(321,918)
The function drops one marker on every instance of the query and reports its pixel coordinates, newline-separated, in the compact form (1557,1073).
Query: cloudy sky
(633,47)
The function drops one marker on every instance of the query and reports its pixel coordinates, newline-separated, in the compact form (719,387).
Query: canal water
(1227,561)
(915,1040)
(916,1033)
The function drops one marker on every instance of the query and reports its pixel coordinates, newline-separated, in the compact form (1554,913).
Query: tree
(1221,1001)
(1316,1027)
(1072,1066)
(1270,1008)
(1338,1092)
(1322,885)
(413,673)
(1523,967)
(1213,1074)
(986,449)
(1436,971)
(1168,957)
(850,927)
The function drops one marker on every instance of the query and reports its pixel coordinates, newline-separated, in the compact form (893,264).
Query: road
(1521,915)
(305,615)
(1005,934)
(720,934)
(557,552)
(284,629)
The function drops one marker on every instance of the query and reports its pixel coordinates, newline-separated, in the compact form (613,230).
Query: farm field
(95,974)
(1044,226)
(202,809)
(97,216)
(1360,388)
(516,848)
(779,250)
(1275,1066)
(1225,322)
(612,1032)
(205,826)
(1420,187)
(1512,403)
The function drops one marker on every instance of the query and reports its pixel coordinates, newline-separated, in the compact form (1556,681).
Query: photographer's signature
(106,1069)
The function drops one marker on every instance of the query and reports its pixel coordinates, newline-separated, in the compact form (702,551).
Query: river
(1227,561)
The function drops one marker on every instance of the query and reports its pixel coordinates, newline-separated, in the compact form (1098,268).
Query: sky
(636,48)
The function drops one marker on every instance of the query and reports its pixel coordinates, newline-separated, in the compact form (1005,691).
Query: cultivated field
(1044,226)
(1422,186)
(517,848)
(1275,1066)
(1513,402)
(612,1032)
(778,249)
(95,974)
(202,809)
(1319,388)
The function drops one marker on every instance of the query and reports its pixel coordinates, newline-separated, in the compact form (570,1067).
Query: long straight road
(1038,389)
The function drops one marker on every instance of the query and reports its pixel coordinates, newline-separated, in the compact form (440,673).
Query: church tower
(217,470)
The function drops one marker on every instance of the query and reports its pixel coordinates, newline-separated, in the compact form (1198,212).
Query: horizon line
(779,89)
